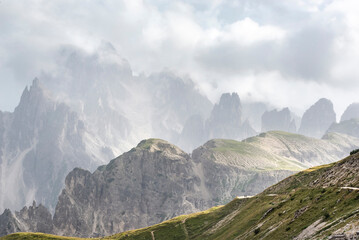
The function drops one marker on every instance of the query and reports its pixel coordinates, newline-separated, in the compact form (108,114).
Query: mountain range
(317,203)
(92,108)
(156,181)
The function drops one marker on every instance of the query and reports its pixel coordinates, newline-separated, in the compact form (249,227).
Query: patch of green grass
(38,236)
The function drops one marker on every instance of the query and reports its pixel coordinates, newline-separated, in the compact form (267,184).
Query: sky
(286,52)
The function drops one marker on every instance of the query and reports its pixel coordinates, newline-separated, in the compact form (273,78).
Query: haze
(287,53)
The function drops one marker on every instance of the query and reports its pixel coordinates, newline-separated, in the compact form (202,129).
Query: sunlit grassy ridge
(40,236)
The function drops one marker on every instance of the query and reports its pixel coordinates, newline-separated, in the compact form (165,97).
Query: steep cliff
(317,119)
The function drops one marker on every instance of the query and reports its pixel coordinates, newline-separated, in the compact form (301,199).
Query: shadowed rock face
(226,120)
(349,127)
(351,112)
(278,120)
(153,182)
(317,119)
(33,218)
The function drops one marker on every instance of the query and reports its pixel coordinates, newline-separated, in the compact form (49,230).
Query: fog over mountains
(93,108)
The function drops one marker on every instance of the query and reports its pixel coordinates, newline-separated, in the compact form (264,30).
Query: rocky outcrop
(352,112)
(226,120)
(156,181)
(318,118)
(278,120)
(349,127)
(33,218)
(153,182)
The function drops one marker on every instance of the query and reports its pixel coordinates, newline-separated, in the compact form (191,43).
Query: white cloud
(225,45)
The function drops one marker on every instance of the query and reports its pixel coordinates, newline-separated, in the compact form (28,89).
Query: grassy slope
(36,236)
(282,211)
(274,150)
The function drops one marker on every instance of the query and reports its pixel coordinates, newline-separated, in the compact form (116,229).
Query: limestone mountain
(350,127)
(151,183)
(303,206)
(278,120)
(352,111)
(156,180)
(90,109)
(119,107)
(317,119)
(317,203)
(226,119)
(41,141)
(34,218)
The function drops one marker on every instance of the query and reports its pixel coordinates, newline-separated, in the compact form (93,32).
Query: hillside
(157,181)
(305,205)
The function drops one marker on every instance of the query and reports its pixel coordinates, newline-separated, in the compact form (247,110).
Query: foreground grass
(33,236)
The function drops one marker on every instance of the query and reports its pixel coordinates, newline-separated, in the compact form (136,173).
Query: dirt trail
(351,188)
(153,235)
(184,228)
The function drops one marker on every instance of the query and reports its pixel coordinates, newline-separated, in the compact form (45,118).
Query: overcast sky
(289,52)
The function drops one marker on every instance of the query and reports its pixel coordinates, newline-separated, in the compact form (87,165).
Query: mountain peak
(154,144)
(351,112)
(317,119)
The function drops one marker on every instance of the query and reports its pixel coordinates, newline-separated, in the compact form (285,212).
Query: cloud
(219,43)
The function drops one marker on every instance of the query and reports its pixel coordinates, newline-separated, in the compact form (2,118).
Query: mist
(288,54)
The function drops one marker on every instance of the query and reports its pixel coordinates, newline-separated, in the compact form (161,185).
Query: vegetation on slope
(309,205)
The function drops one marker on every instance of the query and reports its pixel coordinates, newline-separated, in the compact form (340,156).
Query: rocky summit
(349,127)
(317,119)
(40,142)
(151,183)
(226,119)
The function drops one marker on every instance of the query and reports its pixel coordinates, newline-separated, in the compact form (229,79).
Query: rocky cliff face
(349,127)
(226,120)
(317,119)
(156,180)
(34,218)
(87,111)
(40,143)
(351,112)
(153,182)
(278,120)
